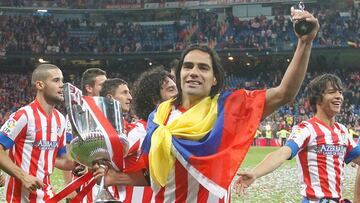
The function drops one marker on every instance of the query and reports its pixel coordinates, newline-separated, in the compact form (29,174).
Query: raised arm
(295,73)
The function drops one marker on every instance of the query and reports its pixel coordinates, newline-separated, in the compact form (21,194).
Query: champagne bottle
(302,27)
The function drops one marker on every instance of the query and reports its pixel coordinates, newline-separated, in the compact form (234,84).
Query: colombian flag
(214,160)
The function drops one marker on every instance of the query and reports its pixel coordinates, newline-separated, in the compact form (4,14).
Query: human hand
(297,15)
(101,170)
(79,170)
(32,183)
(244,181)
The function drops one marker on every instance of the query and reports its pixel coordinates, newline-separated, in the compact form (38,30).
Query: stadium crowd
(47,34)
(15,91)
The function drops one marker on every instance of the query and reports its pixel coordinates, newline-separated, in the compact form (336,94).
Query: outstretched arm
(295,73)
(271,162)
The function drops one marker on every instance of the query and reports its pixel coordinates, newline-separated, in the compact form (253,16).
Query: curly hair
(217,68)
(317,87)
(146,90)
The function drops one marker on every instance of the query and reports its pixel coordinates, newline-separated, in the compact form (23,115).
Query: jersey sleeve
(14,127)
(297,139)
(62,141)
(352,149)
(69,135)
(135,137)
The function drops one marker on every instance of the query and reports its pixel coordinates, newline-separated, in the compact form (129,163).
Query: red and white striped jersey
(136,135)
(181,186)
(34,140)
(322,152)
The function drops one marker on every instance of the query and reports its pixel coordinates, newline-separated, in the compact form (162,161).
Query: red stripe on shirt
(15,154)
(335,139)
(35,154)
(159,197)
(60,139)
(202,195)
(181,182)
(147,194)
(305,168)
(46,155)
(321,160)
(129,193)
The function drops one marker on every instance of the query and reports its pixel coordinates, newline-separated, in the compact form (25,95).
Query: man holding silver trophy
(94,83)
(92,80)
(97,124)
(35,138)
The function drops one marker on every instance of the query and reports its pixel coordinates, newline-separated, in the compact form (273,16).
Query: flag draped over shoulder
(213,150)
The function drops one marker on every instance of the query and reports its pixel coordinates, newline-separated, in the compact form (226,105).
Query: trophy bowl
(97,122)
(89,150)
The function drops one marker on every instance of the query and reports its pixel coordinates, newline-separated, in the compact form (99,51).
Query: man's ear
(214,81)
(39,85)
(88,88)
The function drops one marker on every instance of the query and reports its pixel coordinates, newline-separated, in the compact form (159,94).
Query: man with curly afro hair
(150,89)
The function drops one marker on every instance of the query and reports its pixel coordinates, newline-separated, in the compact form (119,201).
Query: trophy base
(107,201)
(104,195)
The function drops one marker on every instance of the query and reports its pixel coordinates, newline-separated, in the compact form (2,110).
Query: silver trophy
(89,145)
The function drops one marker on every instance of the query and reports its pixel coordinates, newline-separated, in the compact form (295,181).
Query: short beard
(53,100)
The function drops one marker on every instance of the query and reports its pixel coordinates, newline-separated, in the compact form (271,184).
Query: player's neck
(188,101)
(327,119)
(44,104)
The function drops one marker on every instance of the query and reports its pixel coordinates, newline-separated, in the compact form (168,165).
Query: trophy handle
(72,96)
